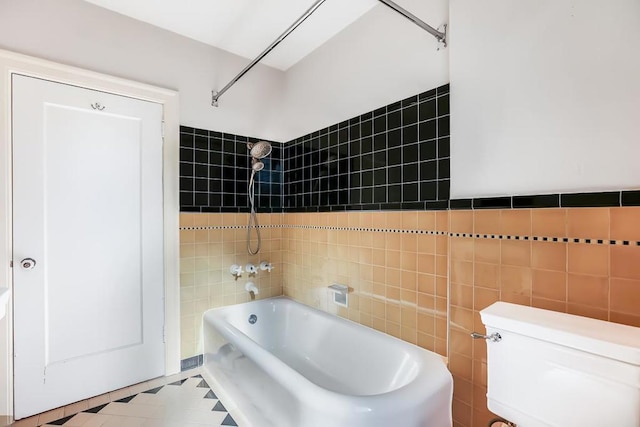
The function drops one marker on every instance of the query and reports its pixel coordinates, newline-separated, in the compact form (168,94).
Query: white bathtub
(300,367)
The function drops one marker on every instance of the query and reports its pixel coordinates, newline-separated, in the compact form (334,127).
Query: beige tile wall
(398,265)
(394,262)
(594,280)
(209,245)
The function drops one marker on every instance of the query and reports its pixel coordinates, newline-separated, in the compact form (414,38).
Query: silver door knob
(28,263)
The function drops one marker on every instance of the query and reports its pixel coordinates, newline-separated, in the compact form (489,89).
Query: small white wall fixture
(13,63)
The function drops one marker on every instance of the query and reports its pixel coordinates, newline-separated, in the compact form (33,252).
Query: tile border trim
(429,232)
(319,227)
(547,239)
(226,227)
(622,198)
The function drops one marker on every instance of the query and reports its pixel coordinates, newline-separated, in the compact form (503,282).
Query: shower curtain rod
(441,36)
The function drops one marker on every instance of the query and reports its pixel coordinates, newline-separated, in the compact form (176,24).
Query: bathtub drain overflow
(253,319)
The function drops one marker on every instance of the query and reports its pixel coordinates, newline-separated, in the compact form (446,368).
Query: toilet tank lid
(612,340)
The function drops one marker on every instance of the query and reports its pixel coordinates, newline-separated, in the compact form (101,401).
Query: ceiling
(247,27)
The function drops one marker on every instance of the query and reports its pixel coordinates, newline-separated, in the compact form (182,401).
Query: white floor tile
(148,399)
(181,397)
(26,422)
(53,415)
(168,423)
(129,409)
(157,382)
(96,420)
(181,405)
(75,408)
(99,400)
(79,420)
(118,421)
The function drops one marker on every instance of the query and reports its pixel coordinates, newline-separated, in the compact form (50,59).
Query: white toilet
(555,369)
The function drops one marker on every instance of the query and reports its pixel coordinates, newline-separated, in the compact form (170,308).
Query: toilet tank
(561,370)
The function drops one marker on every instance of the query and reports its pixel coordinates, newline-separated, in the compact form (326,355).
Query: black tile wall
(215,169)
(578,200)
(395,157)
(567,200)
(540,201)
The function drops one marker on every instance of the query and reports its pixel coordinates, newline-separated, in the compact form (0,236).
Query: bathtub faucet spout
(252,289)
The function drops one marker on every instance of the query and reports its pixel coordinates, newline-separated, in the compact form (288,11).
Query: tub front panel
(246,384)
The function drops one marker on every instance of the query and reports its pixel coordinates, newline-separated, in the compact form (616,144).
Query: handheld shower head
(259,150)
(256,165)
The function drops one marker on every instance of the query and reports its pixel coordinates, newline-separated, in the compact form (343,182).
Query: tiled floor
(182,400)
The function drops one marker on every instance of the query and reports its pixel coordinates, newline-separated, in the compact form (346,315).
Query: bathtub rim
(432,376)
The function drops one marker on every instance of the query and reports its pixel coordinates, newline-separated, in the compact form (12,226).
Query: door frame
(14,63)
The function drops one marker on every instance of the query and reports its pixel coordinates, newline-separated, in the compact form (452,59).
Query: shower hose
(253,218)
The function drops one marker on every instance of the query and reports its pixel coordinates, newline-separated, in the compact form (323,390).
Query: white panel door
(87,200)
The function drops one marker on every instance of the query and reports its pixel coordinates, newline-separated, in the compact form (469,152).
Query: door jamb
(14,63)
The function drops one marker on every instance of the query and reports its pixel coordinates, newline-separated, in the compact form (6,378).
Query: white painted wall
(545,96)
(78,33)
(379,59)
